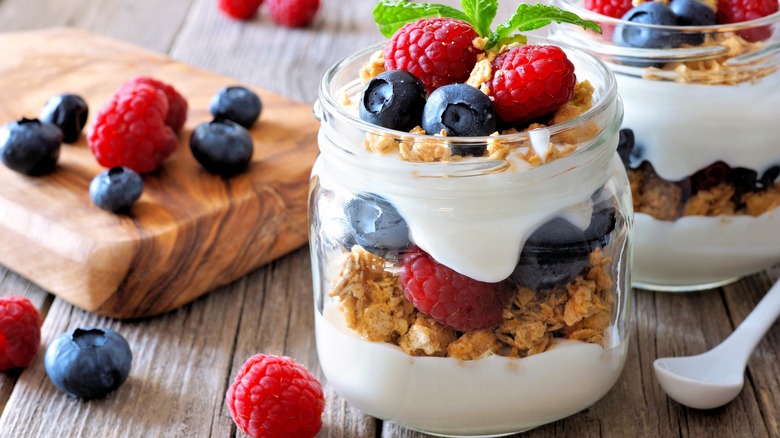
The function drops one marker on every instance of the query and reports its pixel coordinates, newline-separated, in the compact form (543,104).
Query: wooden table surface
(184,360)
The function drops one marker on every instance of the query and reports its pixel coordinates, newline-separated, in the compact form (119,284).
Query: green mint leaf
(530,17)
(481,14)
(392,15)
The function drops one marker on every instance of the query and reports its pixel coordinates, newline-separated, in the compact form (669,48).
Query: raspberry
(610,8)
(20,332)
(737,11)
(449,297)
(531,81)
(130,130)
(177,105)
(239,9)
(438,51)
(275,396)
(293,13)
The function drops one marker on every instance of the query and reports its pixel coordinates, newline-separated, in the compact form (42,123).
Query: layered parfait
(469,223)
(701,139)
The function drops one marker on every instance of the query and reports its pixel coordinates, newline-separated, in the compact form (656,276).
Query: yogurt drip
(467,217)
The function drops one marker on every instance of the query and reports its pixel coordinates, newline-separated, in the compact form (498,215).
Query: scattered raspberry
(449,297)
(531,81)
(130,130)
(610,8)
(20,332)
(177,105)
(239,9)
(293,13)
(438,51)
(275,396)
(737,11)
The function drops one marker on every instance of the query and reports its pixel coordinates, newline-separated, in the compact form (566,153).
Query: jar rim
(328,100)
(576,7)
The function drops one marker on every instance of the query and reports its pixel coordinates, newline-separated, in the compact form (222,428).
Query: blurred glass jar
(701,144)
(537,255)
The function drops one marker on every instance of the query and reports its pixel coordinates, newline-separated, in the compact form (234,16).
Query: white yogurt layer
(475,224)
(493,395)
(701,250)
(682,128)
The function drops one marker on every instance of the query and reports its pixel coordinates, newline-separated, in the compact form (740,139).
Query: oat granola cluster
(373,304)
(670,200)
(714,71)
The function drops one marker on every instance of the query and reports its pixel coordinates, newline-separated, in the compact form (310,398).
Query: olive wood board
(190,231)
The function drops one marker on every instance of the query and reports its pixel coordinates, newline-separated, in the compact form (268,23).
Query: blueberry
(238,104)
(394,100)
(625,147)
(223,147)
(461,110)
(768,178)
(602,223)
(116,189)
(710,176)
(552,256)
(646,37)
(88,362)
(693,13)
(377,225)
(69,112)
(30,146)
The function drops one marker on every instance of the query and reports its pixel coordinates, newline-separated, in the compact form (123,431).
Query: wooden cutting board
(190,232)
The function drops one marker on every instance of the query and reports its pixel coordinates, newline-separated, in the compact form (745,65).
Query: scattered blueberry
(88,362)
(30,146)
(647,37)
(461,110)
(238,104)
(116,189)
(69,112)
(625,147)
(377,225)
(552,256)
(394,100)
(222,147)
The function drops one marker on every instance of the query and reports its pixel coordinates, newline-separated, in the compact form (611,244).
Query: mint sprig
(480,13)
(529,17)
(392,15)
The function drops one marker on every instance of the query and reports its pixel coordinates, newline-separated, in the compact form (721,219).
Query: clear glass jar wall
(543,251)
(702,144)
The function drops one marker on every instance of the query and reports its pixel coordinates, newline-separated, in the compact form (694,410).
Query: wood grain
(190,232)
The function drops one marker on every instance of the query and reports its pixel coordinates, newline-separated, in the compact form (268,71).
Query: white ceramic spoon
(714,378)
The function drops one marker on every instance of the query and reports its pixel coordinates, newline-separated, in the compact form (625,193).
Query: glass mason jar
(537,257)
(703,150)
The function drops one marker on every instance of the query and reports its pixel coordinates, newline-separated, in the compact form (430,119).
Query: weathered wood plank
(288,61)
(180,361)
(149,23)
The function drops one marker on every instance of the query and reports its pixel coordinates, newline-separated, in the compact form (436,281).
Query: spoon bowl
(712,379)
(691,382)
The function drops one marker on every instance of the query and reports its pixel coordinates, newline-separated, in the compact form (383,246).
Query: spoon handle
(745,338)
